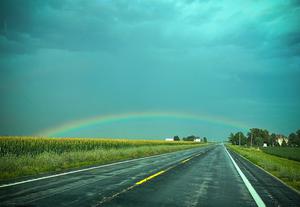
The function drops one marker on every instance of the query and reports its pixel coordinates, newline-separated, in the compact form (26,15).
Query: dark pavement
(198,177)
(270,189)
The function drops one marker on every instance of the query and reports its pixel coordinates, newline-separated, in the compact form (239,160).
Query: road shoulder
(272,191)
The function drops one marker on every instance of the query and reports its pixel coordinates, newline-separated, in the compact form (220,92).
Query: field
(291,153)
(286,170)
(27,156)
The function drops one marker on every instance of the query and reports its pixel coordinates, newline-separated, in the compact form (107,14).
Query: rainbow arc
(103,119)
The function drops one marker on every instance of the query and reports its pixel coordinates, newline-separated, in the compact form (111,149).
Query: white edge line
(259,202)
(276,178)
(82,170)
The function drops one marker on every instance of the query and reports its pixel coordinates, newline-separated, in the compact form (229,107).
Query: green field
(291,153)
(27,156)
(286,170)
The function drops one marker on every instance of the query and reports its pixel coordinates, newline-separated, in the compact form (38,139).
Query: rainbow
(102,119)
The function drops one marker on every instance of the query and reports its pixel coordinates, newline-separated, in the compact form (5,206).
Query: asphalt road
(270,189)
(197,177)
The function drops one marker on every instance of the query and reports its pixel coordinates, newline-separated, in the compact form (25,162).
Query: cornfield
(26,156)
(36,145)
(291,153)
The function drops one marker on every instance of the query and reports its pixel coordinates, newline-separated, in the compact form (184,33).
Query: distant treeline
(190,138)
(259,137)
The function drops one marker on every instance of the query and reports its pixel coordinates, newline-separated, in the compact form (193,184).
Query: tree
(283,144)
(259,141)
(176,138)
(298,137)
(298,133)
(272,139)
(237,138)
(260,135)
(242,139)
(294,139)
(231,138)
(205,139)
(190,138)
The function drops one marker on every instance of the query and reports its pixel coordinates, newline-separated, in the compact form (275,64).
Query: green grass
(286,170)
(28,156)
(291,153)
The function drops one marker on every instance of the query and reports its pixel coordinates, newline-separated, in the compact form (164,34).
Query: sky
(64,62)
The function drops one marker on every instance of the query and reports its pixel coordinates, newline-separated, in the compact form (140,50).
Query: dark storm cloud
(109,25)
(34,25)
(77,25)
(219,57)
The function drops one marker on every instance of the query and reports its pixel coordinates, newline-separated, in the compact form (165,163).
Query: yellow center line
(184,161)
(163,171)
(150,177)
(146,179)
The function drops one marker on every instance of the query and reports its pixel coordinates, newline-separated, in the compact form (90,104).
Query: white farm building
(169,139)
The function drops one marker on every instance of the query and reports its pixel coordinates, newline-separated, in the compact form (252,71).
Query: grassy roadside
(291,153)
(286,170)
(30,156)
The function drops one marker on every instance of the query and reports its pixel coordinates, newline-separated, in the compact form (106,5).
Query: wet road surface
(203,176)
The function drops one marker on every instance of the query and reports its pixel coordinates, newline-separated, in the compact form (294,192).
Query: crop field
(286,170)
(291,153)
(27,156)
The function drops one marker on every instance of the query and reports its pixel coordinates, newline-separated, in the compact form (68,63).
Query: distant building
(197,140)
(280,139)
(169,139)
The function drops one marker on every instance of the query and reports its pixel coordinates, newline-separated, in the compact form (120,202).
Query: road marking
(184,161)
(259,202)
(150,177)
(165,170)
(106,199)
(276,178)
(81,170)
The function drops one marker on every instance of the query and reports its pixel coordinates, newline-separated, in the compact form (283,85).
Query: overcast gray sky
(63,61)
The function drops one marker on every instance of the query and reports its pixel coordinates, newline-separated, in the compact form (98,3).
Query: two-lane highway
(87,188)
(203,176)
(208,180)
